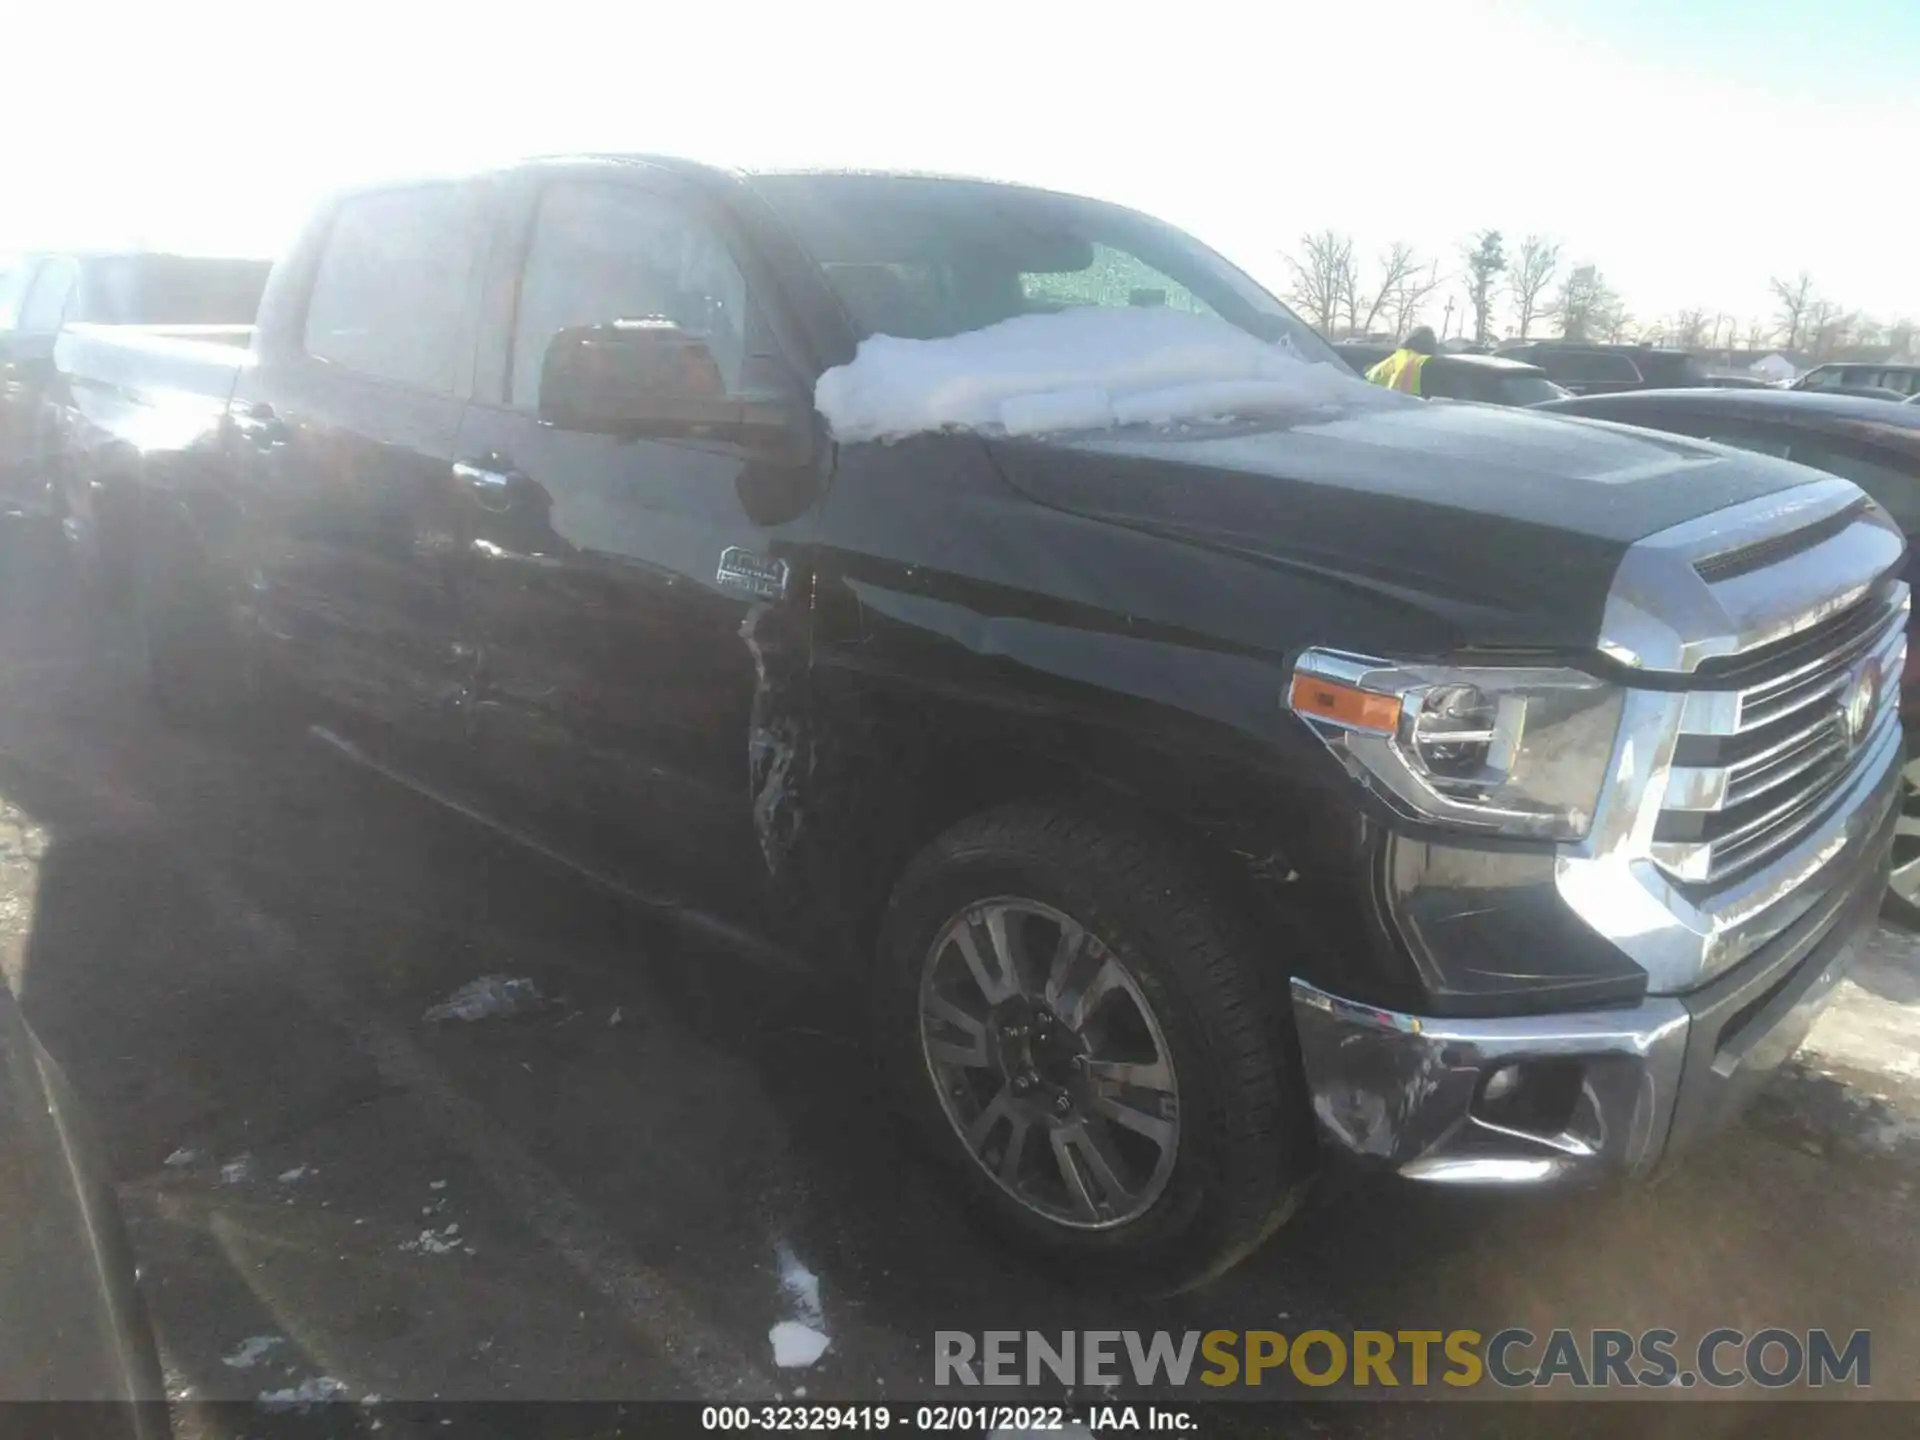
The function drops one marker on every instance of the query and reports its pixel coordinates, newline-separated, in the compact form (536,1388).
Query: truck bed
(148,387)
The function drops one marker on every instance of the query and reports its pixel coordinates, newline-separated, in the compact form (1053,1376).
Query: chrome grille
(1757,762)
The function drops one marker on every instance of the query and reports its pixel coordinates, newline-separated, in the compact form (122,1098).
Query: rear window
(391,297)
(1588,367)
(1666,370)
(1527,389)
(171,290)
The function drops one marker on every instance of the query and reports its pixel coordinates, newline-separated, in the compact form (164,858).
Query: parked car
(1582,369)
(1489,379)
(1361,355)
(44,292)
(1165,790)
(1883,382)
(1462,375)
(1865,441)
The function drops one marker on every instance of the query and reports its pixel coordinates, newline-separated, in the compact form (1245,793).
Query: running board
(751,945)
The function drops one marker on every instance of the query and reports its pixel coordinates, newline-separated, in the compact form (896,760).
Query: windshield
(922,258)
(1529,390)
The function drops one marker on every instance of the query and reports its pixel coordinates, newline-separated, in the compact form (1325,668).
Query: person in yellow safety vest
(1401,370)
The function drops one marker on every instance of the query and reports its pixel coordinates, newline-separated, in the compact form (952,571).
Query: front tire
(1079,1024)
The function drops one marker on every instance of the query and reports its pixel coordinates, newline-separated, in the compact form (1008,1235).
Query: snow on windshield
(1079,369)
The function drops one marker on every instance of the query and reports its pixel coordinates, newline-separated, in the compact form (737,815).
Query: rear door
(345,429)
(639,603)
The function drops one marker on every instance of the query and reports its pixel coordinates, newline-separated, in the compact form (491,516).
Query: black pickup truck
(1482,795)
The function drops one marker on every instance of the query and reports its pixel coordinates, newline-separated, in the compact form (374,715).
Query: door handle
(490,489)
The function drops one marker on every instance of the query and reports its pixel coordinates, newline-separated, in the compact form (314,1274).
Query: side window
(1827,377)
(1896,488)
(602,254)
(392,293)
(45,307)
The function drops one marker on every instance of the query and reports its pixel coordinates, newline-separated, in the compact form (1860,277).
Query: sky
(1689,148)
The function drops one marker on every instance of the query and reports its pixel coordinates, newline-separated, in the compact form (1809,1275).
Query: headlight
(1500,749)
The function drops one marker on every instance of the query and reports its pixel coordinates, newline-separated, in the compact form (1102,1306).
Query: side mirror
(650,378)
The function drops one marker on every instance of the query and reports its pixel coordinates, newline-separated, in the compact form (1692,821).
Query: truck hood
(1506,524)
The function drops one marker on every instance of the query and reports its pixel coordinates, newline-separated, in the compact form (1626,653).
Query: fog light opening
(1535,1097)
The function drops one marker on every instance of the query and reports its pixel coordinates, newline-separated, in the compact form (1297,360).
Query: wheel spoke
(970,1057)
(1008,949)
(1160,1131)
(1105,981)
(1091,1173)
(993,984)
(1073,941)
(973,1053)
(988,1120)
(1112,1075)
(1016,1142)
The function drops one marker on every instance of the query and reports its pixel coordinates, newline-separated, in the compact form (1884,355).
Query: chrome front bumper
(1629,1089)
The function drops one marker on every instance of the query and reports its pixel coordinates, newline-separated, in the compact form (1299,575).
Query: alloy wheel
(1049,1063)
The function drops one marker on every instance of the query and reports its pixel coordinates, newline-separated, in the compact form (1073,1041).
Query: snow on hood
(1079,369)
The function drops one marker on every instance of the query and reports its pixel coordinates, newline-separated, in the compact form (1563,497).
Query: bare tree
(1534,266)
(1690,329)
(1409,294)
(1827,327)
(1395,266)
(1794,297)
(1324,277)
(1486,259)
(1586,306)
(1904,336)
(1757,335)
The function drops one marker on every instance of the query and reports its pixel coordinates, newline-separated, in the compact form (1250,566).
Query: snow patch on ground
(1081,369)
(237,1171)
(802,1340)
(490,997)
(180,1157)
(252,1350)
(795,1344)
(431,1242)
(315,1391)
(299,1172)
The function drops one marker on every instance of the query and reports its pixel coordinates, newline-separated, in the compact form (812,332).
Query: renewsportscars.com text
(1510,1359)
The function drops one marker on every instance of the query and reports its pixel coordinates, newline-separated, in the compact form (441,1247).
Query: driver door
(635,601)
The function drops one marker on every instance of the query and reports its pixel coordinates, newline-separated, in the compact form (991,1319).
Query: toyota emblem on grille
(1858,701)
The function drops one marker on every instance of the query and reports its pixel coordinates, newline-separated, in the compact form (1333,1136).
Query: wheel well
(951,783)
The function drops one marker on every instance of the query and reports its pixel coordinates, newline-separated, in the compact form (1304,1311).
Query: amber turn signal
(1321,699)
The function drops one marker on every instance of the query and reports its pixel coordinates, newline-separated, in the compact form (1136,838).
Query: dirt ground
(231,948)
